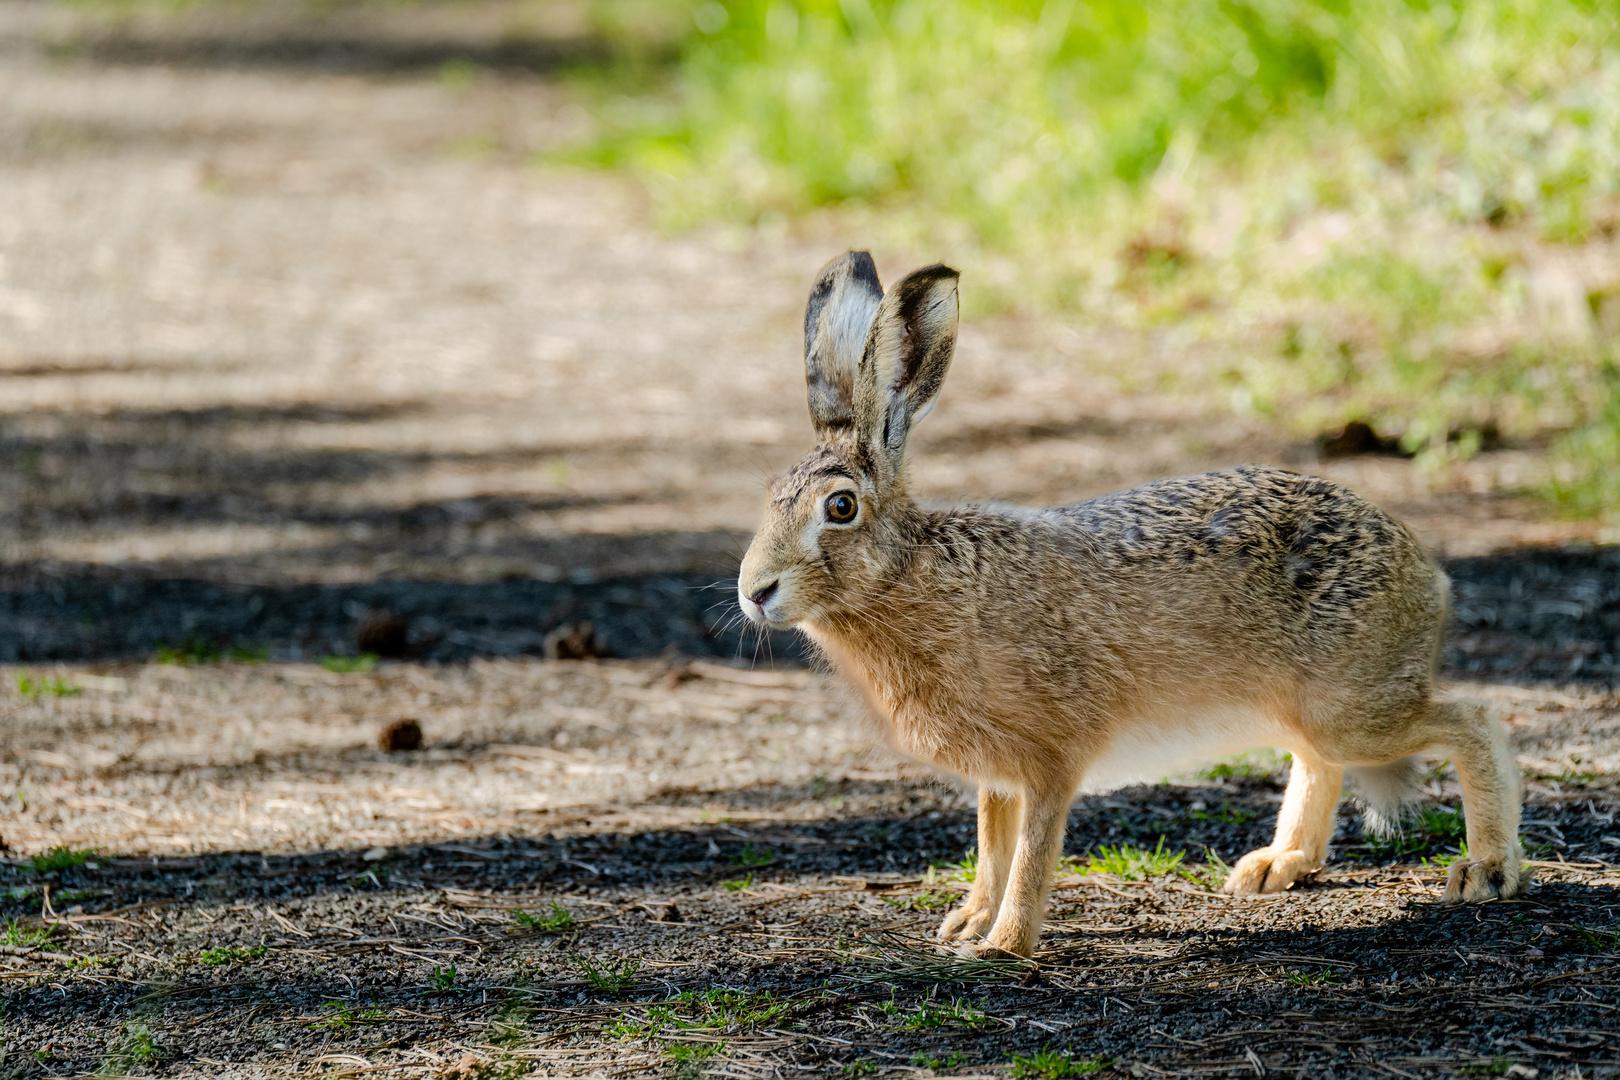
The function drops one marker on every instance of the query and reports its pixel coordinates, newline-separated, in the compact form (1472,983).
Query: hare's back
(1281,542)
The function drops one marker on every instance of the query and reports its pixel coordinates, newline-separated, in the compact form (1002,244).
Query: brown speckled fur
(1034,651)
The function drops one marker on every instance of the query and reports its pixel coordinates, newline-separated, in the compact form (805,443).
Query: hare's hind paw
(1268,870)
(972,920)
(1473,881)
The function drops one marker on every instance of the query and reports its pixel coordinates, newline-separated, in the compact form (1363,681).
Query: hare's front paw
(1473,881)
(1268,870)
(971,920)
(986,950)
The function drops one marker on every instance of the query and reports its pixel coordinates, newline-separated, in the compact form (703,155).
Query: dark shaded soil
(91,618)
(1537,615)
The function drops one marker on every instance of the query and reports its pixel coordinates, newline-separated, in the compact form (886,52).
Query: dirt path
(292,327)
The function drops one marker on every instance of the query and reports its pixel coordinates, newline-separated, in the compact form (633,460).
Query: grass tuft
(55,686)
(1131,863)
(963,870)
(135,1047)
(26,937)
(607,977)
(931,1015)
(928,900)
(1323,977)
(937,1062)
(340,1015)
(198,651)
(61,858)
(1431,827)
(749,857)
(231,954)
(1049,1064)
(558,918)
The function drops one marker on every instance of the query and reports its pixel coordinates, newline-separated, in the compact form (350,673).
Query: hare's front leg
(1304,827)
(1040,840)
(998,833)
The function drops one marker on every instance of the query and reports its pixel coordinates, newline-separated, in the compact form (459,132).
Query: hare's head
(833,529)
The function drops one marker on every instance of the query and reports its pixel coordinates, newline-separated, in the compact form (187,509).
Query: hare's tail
(1385,790)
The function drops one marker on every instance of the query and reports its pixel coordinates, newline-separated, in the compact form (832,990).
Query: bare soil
(296,324)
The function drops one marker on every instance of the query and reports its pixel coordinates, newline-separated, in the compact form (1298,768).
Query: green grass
(932,1015)
(28,686)
(739,884)
(558,918)
(349,664)
(340,1016)
(1357,226)
(1049,1064)
(230,954)
(61,858)
(87,961)
(681,1052)
(749,857)
(1496,1066)
(135,1047)
(1226,815)
(964,870)
(936,1062)
(928,900)
(443,980)
(198,651)
(1324,977)
(1131,863)
(26,937)
(716,1009)
(607,976)
(1431,827)
(1250,765)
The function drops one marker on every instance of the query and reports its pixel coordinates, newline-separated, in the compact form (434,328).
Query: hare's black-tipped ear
(908,351)
(842,304)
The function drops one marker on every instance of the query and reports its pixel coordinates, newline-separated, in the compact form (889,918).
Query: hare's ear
(842,303)
(908,351)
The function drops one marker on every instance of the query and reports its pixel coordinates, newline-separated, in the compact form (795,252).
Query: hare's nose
(762,596)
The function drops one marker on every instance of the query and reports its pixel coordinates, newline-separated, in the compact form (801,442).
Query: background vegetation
(1403,212)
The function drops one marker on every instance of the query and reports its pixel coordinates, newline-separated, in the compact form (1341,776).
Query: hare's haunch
(1041,651)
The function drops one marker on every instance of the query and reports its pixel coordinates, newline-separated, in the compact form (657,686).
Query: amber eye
(841,508)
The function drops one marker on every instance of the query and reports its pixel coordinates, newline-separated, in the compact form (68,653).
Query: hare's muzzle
(755,603)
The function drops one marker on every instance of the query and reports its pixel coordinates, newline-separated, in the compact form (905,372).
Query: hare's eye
(841,508)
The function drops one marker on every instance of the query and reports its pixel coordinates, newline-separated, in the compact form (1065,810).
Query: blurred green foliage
(1364,204)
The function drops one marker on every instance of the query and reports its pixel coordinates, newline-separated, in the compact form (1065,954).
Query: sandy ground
(293,325)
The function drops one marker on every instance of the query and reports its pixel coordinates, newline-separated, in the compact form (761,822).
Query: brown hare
(1037,652)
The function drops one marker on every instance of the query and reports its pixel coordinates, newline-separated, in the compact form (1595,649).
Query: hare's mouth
(766,606)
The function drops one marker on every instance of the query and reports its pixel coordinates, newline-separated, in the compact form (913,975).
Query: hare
(1037,652)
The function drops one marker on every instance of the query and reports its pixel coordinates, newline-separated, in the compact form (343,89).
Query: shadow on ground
(487,575)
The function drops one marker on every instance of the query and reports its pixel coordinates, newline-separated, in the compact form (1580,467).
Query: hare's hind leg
(1304,827)
(998,835)
(1478,746)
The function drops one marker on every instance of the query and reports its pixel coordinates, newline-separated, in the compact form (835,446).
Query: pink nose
(762,596)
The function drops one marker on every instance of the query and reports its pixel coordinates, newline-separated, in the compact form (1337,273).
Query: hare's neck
(893,642)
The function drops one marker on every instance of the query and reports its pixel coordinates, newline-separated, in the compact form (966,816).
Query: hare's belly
(1167,742)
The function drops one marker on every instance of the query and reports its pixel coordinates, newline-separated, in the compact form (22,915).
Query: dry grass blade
(901,962)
